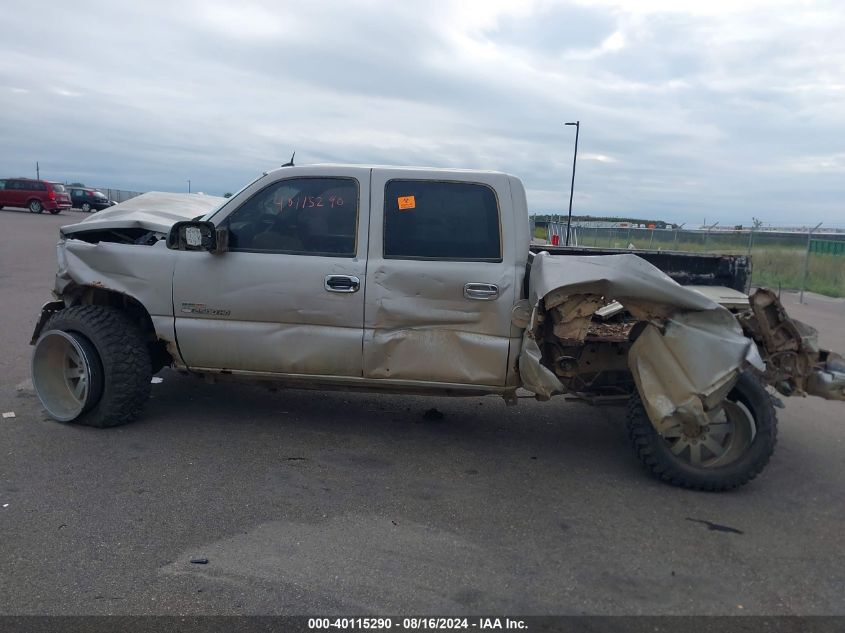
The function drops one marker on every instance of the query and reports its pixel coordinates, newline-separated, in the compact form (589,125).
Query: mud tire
(123,357)
(653,450)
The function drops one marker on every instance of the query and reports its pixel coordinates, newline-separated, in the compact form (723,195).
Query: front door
(288,296)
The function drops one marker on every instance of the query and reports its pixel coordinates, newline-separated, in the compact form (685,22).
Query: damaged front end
(602,326)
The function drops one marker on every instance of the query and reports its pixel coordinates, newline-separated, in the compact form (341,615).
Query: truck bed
(699,269)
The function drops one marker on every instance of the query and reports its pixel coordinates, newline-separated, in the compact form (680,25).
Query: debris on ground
(199,561)
(716,527)
(9,414)
(433,414)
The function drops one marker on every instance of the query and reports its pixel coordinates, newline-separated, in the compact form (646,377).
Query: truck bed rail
(700,269)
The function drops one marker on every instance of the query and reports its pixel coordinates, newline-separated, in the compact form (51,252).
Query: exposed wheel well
(136,311)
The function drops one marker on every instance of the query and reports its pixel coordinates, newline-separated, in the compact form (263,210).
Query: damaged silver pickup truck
(420,281)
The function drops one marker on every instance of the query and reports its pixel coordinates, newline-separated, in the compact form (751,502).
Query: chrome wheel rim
(61,374)
(725,438)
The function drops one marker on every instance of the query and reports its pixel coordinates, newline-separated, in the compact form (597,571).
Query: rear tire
(86,207)
(120,358)
(747,438)
(35,206)
(55,211)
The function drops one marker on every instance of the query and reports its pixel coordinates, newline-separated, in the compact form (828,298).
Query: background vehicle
(35,195)
(88,199)
(420,281)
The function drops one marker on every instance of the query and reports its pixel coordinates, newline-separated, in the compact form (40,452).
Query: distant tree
(76,184)
(228,194)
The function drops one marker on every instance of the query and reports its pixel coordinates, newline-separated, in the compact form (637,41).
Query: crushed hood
(153,211)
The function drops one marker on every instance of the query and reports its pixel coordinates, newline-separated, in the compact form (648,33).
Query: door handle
(342,283)
(481,292)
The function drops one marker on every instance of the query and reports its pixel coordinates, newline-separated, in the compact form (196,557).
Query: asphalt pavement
(307,502)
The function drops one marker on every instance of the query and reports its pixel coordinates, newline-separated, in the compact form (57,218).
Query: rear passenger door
(440,279)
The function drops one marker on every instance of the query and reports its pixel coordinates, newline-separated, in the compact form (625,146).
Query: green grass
(776,263)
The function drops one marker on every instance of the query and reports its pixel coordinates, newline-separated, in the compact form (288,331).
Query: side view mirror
(191,235)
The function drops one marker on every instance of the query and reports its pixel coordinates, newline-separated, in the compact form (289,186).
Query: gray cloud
(687,111)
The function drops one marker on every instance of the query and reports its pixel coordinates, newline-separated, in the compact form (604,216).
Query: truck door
(288,296)
(440,278)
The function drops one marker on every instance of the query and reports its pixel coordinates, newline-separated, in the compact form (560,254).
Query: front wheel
(730,451)
(91,366)
(86,207)
(35,206)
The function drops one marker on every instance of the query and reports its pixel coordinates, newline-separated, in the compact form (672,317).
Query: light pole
(577,125)
(189,185)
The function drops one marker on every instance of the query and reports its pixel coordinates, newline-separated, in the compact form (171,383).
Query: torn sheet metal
(794,363)
(683,363)
(152,211)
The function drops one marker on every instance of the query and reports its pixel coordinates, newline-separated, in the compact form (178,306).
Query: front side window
(426,219)
(300,216)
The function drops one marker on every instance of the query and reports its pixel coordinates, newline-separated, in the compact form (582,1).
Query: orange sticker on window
(406,202)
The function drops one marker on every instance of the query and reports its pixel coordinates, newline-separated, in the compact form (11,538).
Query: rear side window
(31,185)
(57,187)
(426,219)
(2,184)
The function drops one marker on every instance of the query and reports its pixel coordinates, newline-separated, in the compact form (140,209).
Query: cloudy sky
(716,109)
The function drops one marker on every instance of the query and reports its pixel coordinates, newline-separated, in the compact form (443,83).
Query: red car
(35,195)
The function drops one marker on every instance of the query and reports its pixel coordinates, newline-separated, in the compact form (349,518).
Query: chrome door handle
(482,292)
(342,283)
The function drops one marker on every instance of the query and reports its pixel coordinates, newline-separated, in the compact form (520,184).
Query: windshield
(98,194)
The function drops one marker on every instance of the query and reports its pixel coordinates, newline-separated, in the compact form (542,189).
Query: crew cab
(418,280)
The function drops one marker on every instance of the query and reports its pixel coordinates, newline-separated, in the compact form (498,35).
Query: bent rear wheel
(726,453)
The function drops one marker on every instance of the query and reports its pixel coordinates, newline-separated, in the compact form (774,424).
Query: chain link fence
(118,195)
(811,260)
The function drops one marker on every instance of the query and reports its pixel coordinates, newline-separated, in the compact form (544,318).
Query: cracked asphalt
(317,503)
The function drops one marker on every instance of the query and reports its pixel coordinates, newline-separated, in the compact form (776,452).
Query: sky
(717,110)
